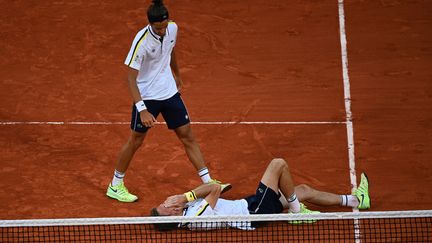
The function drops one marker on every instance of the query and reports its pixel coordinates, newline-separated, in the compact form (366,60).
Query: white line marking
(162,123)
(347,95)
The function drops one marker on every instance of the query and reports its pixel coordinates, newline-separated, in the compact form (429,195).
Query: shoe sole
(303,222)
(113,196)
(227,188)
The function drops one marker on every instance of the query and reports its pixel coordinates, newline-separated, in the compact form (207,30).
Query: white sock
(349,201)
(294,204)
(117,178)
(204,174)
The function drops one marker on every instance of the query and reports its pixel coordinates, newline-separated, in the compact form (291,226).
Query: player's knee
(185,134)
(303,190)
(278,163)
(136,140)
(187,138)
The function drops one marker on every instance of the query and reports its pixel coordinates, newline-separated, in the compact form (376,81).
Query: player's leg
(310,194)
(128,150)
(278,177)
(185,135)
(303,210)
(360,199)
(177,119)
(117,189)
(322,198)
(273,173)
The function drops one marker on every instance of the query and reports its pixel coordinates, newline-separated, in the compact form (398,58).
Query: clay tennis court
(273,63)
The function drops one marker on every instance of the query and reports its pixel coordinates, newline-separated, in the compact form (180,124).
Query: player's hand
(176,201)
(147,118)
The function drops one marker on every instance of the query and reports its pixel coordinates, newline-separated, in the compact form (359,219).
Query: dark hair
(162,226)
(157,12)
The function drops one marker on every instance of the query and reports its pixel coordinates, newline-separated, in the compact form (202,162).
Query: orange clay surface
(241,61)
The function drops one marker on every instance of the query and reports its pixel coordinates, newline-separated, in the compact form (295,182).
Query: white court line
(349,123)
(347,95)
(161,123)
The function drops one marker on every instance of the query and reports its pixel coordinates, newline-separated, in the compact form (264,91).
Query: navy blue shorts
(173,111)
(265,201)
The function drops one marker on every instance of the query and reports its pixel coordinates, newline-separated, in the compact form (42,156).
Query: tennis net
(390,226)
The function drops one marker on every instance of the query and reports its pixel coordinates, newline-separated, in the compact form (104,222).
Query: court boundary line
(347,98)
(6,123)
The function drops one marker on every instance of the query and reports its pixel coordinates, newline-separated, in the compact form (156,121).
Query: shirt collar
(156,36)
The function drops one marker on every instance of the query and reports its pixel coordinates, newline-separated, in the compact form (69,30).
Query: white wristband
(140,106)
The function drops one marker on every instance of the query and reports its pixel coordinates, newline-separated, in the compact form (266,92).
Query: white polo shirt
(151,56)
(201,207)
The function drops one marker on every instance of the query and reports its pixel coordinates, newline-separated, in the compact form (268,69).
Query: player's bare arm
(209,191)
(146,117)
(176,70)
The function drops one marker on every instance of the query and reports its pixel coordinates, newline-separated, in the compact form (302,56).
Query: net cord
(184,219)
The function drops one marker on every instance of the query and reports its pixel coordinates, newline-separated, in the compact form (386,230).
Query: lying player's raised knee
(278,163)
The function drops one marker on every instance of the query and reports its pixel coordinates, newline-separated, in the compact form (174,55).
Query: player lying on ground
(268,199)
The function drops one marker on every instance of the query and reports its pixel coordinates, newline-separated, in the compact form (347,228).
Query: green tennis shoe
(224,186)
(304,210)
(121,193)
(362,192)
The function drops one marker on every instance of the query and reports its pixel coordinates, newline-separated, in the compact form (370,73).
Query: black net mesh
(343,229)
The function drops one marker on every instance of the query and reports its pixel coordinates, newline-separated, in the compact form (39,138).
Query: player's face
(160,27)
(169,211)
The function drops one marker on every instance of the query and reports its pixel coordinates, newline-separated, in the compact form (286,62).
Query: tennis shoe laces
(121,193)
(362,192)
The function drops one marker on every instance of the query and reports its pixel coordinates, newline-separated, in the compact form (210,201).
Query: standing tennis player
(154,81)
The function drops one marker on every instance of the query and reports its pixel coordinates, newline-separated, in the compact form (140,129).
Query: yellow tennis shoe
(224,186)
(362,192)
(121,193)
(304,210)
